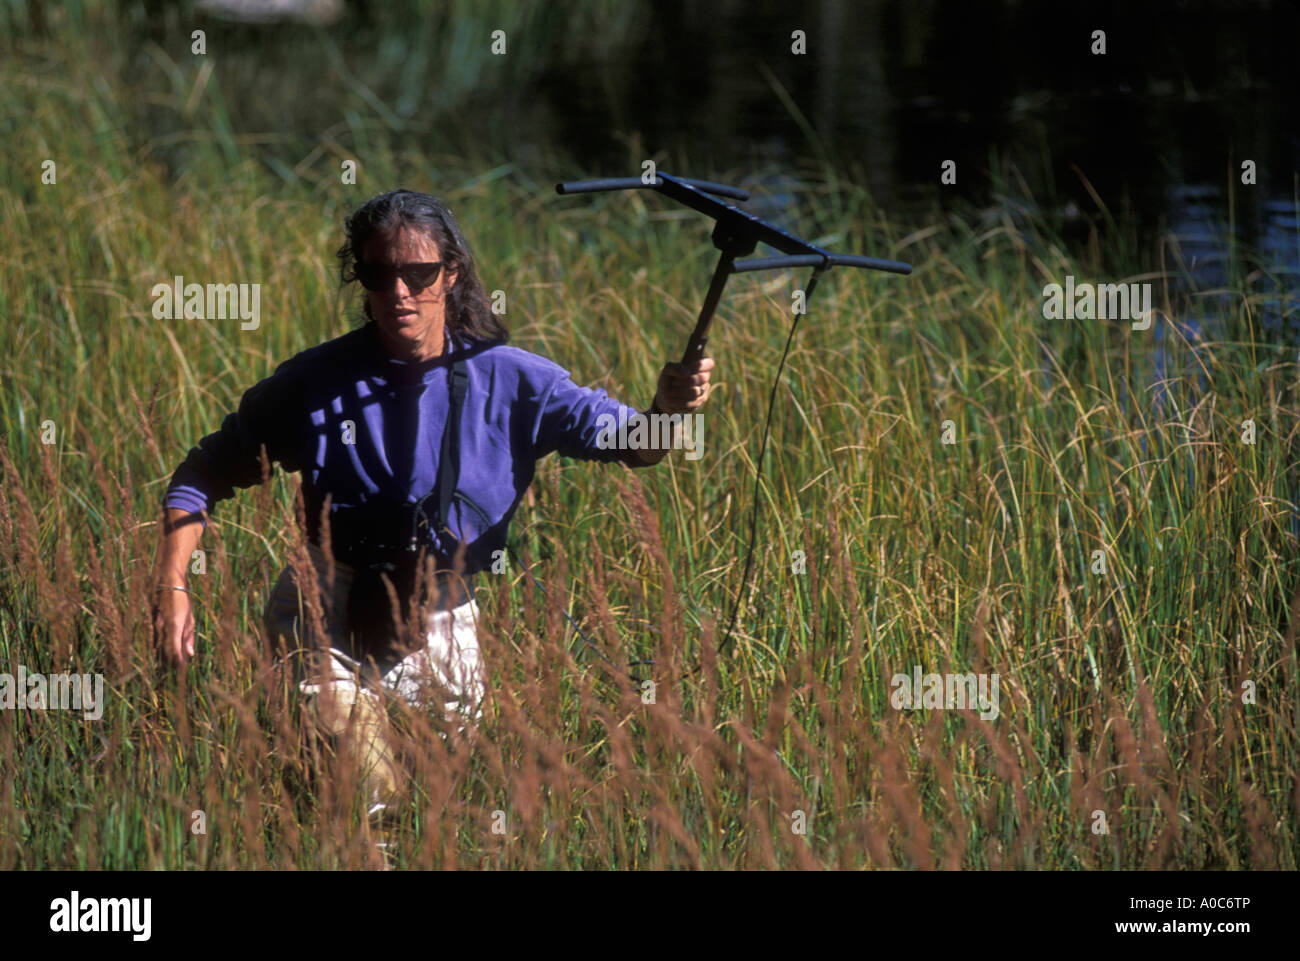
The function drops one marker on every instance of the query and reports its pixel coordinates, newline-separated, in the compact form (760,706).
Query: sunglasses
(383,276)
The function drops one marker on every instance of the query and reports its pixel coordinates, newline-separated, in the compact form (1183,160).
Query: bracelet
(163,587)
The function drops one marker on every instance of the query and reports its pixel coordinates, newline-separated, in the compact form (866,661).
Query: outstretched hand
(683,388)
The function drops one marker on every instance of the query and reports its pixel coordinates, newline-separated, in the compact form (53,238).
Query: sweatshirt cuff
(189,499)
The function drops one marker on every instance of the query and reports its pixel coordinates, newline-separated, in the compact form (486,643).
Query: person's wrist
(652,453)
(658,408)
(158,588)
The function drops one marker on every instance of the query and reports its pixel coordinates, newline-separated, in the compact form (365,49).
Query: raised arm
(586,423)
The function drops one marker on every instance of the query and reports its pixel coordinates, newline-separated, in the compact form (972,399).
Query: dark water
(1158,126)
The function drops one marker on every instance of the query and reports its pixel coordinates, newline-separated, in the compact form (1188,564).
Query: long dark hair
(468,315)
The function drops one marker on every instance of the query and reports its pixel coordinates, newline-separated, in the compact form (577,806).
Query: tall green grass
(1120,692)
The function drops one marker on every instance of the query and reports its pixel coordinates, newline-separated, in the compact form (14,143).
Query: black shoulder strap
(448,479)
(449,458)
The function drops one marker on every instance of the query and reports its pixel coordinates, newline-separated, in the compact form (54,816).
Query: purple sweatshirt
(361,426)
